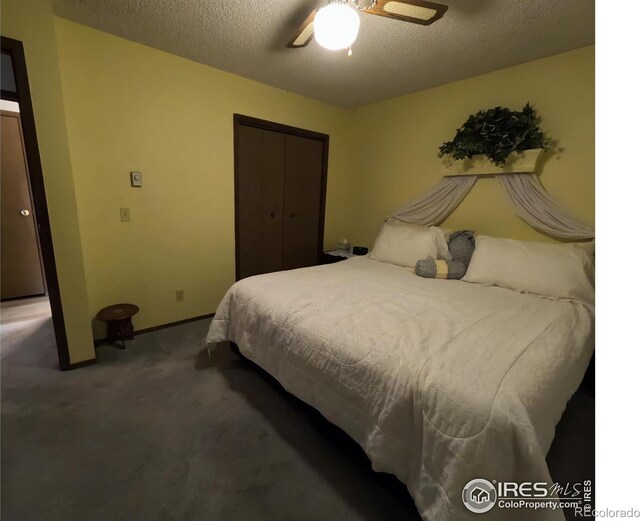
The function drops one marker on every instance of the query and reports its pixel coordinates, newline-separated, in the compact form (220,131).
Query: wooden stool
(118,319)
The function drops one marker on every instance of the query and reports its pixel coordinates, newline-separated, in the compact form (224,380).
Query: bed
(439,381)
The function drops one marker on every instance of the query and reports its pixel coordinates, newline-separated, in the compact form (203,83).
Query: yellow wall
(131,107)
(398,140)
(32,23)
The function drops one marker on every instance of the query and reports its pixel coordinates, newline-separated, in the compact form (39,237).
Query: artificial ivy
(497,132)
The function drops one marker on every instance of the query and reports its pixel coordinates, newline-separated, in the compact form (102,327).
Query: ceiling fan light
(336,26)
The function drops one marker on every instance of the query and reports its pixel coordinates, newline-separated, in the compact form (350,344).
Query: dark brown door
(302,201)
(259,200)
(21,267)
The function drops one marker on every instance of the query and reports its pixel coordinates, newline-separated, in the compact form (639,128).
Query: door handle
(272,214)
(25,213)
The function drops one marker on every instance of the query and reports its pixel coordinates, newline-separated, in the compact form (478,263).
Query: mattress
(439,381)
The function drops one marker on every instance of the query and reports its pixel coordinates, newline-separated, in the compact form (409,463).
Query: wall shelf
(524,163)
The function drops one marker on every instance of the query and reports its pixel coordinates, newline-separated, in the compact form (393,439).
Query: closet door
(303,203)
(260,164)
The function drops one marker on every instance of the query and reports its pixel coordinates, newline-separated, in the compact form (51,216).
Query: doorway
(29,281)
(20,259)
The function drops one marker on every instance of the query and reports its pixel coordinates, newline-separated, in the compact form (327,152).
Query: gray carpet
(162,432)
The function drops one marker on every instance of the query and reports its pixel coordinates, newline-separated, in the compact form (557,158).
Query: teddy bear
(461,247)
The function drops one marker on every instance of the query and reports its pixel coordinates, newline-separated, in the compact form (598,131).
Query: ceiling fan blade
(413,11)
(304,34)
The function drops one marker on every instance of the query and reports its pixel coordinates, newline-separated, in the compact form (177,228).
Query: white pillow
(405,244)
(552,270)
(589,247)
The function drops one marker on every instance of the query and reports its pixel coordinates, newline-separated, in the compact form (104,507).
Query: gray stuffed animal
(461,246)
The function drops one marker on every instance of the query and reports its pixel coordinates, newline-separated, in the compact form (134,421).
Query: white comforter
(439,381)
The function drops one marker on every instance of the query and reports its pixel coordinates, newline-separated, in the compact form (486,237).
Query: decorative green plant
(497,132)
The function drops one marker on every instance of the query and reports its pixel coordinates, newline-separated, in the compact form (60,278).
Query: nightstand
(329,257)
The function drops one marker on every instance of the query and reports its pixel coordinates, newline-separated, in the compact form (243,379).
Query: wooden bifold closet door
(280,196)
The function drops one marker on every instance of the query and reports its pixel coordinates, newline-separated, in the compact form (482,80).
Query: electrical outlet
(179,295)
(125,216)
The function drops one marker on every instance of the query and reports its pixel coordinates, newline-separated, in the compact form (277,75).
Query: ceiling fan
(335,26)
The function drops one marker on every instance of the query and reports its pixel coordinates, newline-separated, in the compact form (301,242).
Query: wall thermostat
(136,178)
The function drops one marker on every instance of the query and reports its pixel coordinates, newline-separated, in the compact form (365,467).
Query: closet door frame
(239,119)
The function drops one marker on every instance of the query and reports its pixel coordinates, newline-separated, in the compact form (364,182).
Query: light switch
(125,216)
(136,178)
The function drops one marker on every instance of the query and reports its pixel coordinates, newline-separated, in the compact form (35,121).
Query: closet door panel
(302,201)
(259,200)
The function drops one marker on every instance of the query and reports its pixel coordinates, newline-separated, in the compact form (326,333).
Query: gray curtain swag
(538,209)
(532,204)
(434,206)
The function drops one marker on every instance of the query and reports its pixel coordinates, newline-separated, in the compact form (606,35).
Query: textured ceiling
(390,58)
